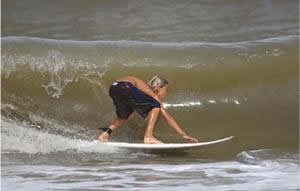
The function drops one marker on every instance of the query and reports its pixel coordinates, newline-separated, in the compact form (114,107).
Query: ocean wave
(48,80)
(135,43)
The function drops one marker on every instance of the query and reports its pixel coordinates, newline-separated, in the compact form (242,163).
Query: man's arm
(172,123)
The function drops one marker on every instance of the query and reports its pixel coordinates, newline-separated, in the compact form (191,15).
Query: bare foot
(152,140)
(103,137)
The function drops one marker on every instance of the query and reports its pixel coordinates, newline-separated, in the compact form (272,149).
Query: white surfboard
(163,146)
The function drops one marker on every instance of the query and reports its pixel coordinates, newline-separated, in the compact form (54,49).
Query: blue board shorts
(127,99)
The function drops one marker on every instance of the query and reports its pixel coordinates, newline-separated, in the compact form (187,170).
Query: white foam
(184,104)
(212,101)
(200,103)
(20,138)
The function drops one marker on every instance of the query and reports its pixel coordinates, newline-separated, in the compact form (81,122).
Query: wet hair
(157,82)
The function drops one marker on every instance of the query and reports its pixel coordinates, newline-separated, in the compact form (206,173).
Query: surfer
(131,94)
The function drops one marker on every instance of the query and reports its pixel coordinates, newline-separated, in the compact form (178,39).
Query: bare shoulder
(130,79)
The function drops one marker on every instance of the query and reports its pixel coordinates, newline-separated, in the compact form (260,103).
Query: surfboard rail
(164,146)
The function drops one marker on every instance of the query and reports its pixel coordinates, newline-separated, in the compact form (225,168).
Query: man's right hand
(190,139)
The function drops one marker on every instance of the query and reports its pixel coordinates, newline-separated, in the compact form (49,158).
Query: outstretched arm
(172,123)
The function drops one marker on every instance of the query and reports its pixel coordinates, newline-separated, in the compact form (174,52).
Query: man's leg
(104,136)
(117,123)
(152,118)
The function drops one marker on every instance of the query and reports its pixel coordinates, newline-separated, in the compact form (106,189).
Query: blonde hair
(157,82)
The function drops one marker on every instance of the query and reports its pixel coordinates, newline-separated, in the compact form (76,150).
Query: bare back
(141,85)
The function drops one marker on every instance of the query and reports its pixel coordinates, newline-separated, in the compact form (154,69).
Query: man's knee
(120,121)
(131,117)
